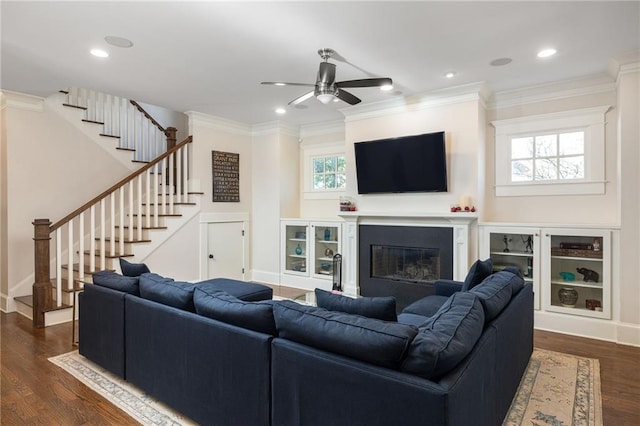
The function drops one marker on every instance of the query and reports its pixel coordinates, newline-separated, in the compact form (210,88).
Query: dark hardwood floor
(35,391)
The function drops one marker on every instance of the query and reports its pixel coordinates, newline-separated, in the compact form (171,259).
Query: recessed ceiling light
(386,87)
(99,53)
(500,62)
(545,53)
(281,111)
(450,74)
(118,41)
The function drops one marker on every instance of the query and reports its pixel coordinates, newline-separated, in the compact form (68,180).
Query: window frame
(590,120)
(309,153)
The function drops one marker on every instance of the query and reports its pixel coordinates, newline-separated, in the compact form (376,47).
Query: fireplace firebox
(403,261)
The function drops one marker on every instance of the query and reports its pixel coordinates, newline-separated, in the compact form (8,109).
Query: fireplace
(403,261)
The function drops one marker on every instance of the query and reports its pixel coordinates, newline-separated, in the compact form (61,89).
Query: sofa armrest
(447,287)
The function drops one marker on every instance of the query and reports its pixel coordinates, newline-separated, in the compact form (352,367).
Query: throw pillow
(446,338)
(495,292)
(221,306)
(480,270)
(382,308)
(167,291)
(132,269)
(367,339)
(116,281)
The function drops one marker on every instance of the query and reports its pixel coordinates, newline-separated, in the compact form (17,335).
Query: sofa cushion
(427,306)
(446,338)
(243,290)
(412,319)
(516,285)
(216,304)
(367,339)
(167,291)
(133,269)
(480,270)
(495,293)
(116,281)
(382,308)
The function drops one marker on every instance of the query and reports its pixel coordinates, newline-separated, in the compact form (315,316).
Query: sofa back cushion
(382,308)
(480,270)
(367,339)
(167,291)
(116,281)
(133,269)
(495,292)
(216,304)
(446,338)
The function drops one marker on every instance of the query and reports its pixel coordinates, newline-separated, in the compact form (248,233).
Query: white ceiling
(210,57)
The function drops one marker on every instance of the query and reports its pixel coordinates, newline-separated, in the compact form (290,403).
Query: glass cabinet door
(296,248)
(326,244)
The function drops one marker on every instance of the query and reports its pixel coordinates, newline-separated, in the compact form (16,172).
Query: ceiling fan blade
(283,83)
(343,95)
(365,82)
(302,98)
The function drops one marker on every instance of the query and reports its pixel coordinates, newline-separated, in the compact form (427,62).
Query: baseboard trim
(628,334)
(265,277)
(4,303)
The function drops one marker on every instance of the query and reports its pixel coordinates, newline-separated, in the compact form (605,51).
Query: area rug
(557,389)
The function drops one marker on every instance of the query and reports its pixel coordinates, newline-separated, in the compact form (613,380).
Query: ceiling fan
(327,88)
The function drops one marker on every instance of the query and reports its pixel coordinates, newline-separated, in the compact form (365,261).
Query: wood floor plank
(35,391)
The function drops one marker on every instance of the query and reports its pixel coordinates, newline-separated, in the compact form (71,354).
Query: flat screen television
(415,163)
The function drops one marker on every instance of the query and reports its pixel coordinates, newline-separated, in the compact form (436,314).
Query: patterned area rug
(557,389)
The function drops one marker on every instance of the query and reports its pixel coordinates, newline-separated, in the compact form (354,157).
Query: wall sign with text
(226,176)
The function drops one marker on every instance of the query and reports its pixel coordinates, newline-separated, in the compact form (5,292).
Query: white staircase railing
(122,118)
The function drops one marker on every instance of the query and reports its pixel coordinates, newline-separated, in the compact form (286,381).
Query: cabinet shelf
(327,241)
(589,259)
(512,253)
(577,284)
(302,240)
(299,256)
(326,259)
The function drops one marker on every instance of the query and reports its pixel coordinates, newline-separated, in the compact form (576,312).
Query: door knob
(210,256)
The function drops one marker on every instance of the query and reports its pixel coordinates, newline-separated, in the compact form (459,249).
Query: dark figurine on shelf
(589,275)
(528,244)
(506,240)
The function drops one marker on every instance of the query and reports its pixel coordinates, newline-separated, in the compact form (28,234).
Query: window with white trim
(329,173)
(551,154)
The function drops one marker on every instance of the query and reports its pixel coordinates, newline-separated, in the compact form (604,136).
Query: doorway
(225,250)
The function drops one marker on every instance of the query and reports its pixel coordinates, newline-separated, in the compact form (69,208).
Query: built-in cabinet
(308,249)
(569,268)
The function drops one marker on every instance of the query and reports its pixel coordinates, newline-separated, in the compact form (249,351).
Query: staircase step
(175,203)
(76,268)
(77,286)
(160,214)
(126,241)
(126,149)
(143,228)
(28,301)
(140,161)
(75,106)
(110,256)
(92,121)
(109,136)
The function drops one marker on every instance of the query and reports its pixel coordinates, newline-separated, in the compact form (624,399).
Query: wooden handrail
(146,114)
(121,183)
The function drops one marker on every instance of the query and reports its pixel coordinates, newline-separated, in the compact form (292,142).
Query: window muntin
(548,157)
(329,173)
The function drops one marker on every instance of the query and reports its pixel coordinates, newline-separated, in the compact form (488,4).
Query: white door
(225,250)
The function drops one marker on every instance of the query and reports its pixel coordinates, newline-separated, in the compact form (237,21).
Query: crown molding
(589,85)
(278,127)
(21,101)
(223,124)
(625,63)
(324,128)
(442,97)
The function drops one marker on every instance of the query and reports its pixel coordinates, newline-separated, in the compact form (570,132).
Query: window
(559,153)
(329,173)
(548,157)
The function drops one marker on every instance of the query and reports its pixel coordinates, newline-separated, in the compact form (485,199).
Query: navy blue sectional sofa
(456,359)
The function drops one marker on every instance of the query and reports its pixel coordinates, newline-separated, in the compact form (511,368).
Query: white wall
(51,169)
(179,256)
(169,118)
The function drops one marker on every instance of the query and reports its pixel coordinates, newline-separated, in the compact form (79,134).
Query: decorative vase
(298,250)
(568,296)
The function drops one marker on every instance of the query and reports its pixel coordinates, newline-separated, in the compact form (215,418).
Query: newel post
(42,298)
(171,142)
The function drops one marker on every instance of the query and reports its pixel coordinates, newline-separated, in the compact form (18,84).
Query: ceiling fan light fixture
(386,87)
(325,98)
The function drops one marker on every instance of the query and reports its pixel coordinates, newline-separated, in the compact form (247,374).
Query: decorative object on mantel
(347,204)
(567,276)
(589,275)
(226,176)
(568,296)
(455,208)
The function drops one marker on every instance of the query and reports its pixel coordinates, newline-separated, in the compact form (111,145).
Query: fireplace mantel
(464,240)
